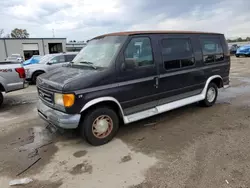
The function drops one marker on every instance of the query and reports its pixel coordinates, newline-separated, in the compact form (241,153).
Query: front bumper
(57,118)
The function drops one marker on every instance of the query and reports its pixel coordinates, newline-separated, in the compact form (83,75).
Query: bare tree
(1,32)
(7,36)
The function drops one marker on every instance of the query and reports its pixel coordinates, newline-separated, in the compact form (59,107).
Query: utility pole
(53,32)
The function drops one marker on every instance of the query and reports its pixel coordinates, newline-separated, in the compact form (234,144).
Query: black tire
(207,102)
(86,125)
(1,98)
(237,55)
(34,77)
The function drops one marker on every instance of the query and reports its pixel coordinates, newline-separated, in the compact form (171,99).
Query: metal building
(31,46)
(75,46)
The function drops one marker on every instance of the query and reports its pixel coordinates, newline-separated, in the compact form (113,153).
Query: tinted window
(212,50)
(139,52)
(172,64)
(70,57)
(177,53)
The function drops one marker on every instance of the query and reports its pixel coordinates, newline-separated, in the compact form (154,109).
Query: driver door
(138,78)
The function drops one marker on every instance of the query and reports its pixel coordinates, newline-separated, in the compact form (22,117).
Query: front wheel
(211,95)
(34,77)
(99,126)
(1,98)
(237,55)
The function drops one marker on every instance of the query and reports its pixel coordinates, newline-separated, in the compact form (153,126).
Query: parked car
(48,63)
(33,60)
(14,58)
(233,48)
(128,76)
(12,78)
(243,51)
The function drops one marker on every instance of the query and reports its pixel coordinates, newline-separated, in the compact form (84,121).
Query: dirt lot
(188,147)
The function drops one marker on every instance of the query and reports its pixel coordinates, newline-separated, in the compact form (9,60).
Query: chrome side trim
(156,110)
(119,84)
(103,99)
(170,106)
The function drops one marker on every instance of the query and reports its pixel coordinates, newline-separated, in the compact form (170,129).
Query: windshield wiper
(88,63)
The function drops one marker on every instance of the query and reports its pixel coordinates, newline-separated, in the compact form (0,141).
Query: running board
(163,108)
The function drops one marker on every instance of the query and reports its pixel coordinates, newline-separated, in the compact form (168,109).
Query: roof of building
(32,38)
(127,33)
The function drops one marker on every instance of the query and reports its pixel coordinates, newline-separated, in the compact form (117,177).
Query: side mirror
(129,64)
(50,62)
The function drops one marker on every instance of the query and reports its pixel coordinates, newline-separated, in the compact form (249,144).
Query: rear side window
(212,50)
(177,53)
(70,57)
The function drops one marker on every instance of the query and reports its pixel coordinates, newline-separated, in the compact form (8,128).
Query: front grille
(46,96)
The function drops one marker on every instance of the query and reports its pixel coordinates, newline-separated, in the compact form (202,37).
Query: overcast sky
(84,19)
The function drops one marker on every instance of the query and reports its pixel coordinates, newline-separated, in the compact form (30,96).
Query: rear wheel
(1,98)
(237,55)
(211,95)
(99,126)
(34,77)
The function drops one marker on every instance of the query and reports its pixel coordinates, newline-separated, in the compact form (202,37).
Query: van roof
(127,33)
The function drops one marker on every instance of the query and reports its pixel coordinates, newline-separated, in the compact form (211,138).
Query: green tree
(19,33)
(239,39)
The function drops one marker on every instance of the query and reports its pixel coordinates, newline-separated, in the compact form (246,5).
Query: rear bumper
(25,84)
(57,118)
(226,82)
(242,53)
(16,86)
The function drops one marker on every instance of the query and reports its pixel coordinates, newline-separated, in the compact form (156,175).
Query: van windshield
(99,52)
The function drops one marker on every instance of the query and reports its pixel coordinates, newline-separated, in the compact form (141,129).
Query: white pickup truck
(12,77)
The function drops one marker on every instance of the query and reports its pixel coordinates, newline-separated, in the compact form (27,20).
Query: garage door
(30,47)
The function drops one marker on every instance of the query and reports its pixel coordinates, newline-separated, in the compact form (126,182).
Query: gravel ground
(188,147)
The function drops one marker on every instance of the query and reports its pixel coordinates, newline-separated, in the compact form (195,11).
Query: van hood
(59,78)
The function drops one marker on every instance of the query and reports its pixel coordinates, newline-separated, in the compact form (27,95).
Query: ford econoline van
(128,76)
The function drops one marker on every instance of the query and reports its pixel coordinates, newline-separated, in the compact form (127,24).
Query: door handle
(156,82)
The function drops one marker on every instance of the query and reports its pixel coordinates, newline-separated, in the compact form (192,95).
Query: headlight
(66,100)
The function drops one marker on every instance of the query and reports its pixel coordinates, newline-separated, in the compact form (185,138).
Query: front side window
(138,53)
(177,53)
(99,52)
(46,58)
(212,50)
